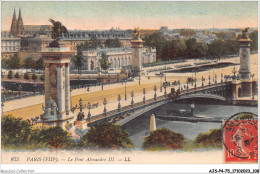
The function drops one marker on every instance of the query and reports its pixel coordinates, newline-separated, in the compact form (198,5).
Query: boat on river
(187,116)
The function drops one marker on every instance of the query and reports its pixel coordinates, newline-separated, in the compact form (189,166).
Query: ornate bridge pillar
(244,71)
(57,84)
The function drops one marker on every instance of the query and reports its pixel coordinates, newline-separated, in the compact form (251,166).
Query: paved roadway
(112,94)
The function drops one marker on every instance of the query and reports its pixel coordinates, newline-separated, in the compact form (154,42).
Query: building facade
(9,44)
(118,58)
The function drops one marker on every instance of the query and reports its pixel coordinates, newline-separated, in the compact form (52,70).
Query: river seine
(139,127)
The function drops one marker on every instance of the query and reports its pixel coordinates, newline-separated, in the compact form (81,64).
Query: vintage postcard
(129,82)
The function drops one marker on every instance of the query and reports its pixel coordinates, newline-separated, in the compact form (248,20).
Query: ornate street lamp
(155,88)
(132,95)
(187,83)
(209,80)
(202,81)
(179,85)
(165,86)
(234,71)
(89,107)
(125,88)
(20,88)
(119,105)
(213,80)
(105,103)
(34,87)
(195,86)
(102,85)
(144,96)
(160,81)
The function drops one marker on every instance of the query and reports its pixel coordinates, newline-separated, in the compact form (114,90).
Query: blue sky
(104,15)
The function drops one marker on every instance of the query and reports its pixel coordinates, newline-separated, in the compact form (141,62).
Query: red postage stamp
(241,138)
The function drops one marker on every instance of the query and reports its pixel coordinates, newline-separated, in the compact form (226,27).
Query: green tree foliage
(34,76)
(225,35)
(14,131)
(211,139)
(107,136)
(187,32)
(156,40)
(29,63)
(10,74)
(4,63)
(13,62)
(254,37)
(113,43)
(104,62)
(42,78)
(163,139)
(39,64)
(78,59)
(17,75)
(55,137)
(26,76)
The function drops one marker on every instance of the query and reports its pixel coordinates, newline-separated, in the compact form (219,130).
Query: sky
(127,15)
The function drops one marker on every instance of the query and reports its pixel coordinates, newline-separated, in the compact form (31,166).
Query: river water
(138,127)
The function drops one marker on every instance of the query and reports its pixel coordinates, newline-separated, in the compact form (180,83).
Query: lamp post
(234,71)
(179,85)
(105,103)
(34,87)
(165,86)
(202,81)
(221,77)
(119,105)
(187,84)
(213,80)
(102,85)
(20,88)
(155,88)
(144,95)
(216,79)
(195,86)
(125,89)
(160,81)
(209,80)
(89,107)
(132,101)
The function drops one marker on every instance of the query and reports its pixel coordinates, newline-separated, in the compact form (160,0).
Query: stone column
(47,82)
(60,90)
(67,89)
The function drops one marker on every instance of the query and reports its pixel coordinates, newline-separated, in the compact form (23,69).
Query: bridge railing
(126,109)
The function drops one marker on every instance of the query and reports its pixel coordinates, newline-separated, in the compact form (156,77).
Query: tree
(213,138)
(10,74)
(15,131)
(187,32)
(104,62)
(55,137)
(78,59)
(13,62)
(163,139)
(34,76)
(155,40)
(107,136)
(28,63)
(42,78)
(26,76)
(39,64)
(17,75)
(254,37)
